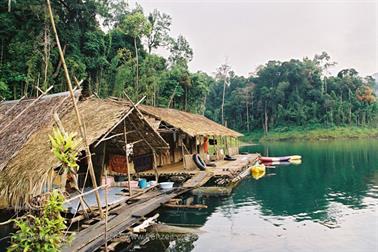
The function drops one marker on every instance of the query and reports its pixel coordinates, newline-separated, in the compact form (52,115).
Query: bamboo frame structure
(81,126)
(114,126)
(127,158)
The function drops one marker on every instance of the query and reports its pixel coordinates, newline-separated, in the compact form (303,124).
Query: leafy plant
(43,232)
(64,146)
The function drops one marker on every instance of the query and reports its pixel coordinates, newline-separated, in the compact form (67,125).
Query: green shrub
(42,232)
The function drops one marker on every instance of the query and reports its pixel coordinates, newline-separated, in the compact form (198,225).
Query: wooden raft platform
(198,180)
(125,216)
(120,220)
(223,167)
(239,170)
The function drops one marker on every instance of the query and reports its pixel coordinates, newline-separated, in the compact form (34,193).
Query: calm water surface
(328,203)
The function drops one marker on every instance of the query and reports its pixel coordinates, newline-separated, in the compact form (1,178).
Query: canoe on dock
(274,159)
(280,159)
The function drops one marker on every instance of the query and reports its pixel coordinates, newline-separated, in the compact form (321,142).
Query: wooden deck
(223,167)
(198,180)
(120,220)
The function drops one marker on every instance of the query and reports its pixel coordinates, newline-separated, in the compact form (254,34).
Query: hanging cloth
(117,163)
(206,145)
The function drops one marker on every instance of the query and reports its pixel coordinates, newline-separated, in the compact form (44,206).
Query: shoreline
(319,134)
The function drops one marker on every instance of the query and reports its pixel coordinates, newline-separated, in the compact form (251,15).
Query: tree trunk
(171,98)
(46,58)
(154,97)
(137,68)
(246,104)
(204,105)
(186,99)
(2,51)
(265,119)
(222,108)
(252,118)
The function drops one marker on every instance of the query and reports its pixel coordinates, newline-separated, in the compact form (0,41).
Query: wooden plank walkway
(233,168)
(223,167)
(119,221)
(198,180)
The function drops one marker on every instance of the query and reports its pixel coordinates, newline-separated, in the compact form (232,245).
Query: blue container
(142,183)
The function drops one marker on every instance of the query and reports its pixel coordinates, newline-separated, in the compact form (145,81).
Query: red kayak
(276,163)
(274,159)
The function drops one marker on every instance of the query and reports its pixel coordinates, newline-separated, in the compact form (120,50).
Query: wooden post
(227,146)
(183,155)
(103,161)
(155,166)
(127,157)
(81,127)
(237,142)
(106,210)
(215,148)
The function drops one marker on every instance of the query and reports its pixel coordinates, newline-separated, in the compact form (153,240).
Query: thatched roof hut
(189,133)
(26,167)
(191,124)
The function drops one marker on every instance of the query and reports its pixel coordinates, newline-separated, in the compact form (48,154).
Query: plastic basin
(166,185)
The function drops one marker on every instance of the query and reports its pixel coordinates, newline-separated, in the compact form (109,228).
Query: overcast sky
(249,33)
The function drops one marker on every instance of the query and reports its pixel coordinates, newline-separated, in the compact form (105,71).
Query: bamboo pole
(106,210)
(155,166)
(127,157)
(61,128)
(82,130)
(183,155)
(86,193)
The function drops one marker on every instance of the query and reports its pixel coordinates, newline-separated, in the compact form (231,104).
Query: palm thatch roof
(15,130)
(191,124)
(28,170)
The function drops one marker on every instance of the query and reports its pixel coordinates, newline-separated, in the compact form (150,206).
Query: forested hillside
(295,93)
(112,47)
(106,43)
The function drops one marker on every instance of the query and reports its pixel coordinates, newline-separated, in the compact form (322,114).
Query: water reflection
(333,193)
(337,171)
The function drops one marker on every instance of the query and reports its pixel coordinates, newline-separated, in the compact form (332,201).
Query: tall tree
(136,25)
(160,26)
(223,74)
(181,52)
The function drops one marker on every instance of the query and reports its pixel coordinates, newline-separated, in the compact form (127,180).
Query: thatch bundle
(15,133)
(191,124)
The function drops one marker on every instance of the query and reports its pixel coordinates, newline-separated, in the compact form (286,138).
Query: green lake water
(328,203)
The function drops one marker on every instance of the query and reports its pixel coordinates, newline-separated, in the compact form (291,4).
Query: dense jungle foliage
(113,48)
